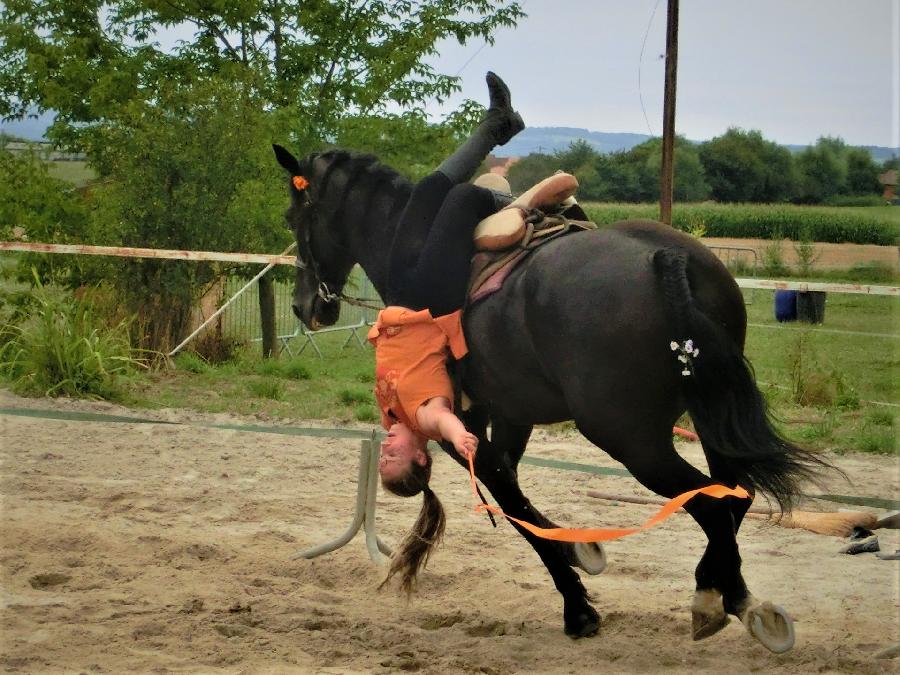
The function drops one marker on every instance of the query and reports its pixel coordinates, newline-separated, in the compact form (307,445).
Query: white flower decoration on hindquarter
(686,353)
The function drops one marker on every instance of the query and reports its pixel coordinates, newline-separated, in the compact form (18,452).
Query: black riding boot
(499,125)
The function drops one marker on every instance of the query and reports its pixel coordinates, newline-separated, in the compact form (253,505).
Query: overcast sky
(793,69)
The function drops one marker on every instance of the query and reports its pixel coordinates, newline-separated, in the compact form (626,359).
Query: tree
(251,71)
(823,171)
(530,170)
(36,206)
(690,180)
(638,169)
(617,179)
(579,155)
(862,172)
(330,59)
(741,166)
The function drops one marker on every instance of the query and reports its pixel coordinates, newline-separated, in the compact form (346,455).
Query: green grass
(355,395)
(336,388)
(191,363)
(887,213)
(868,364)
(848,374)
(267,388)
(63,347)
(77,173)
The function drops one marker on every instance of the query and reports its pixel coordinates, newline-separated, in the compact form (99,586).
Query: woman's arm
(434,418)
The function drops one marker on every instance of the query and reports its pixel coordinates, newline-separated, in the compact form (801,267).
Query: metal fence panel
(241,319)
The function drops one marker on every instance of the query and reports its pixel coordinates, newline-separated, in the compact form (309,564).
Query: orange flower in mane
(300,183)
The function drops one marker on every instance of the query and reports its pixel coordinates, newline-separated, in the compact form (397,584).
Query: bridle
(322,289)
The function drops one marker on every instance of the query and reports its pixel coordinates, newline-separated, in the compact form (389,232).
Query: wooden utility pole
(667,181)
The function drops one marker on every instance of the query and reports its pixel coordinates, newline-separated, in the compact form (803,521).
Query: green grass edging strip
(74,416)
(101,417)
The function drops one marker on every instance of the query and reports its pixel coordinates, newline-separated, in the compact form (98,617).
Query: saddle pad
(496,276)
(491,268)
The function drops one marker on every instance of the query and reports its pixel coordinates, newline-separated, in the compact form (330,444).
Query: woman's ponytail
(415,549)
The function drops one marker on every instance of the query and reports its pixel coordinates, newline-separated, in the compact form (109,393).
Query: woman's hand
(466,444)
(436,420)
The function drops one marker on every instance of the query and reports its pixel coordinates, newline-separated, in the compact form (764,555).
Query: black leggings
(432,248)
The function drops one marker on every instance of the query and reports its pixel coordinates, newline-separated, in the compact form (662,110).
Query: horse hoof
(591,557)
(704,625)
(584,624)
(771,625)
(707,614)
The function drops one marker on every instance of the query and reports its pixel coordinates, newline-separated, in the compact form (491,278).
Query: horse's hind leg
(657,466)
(768,623)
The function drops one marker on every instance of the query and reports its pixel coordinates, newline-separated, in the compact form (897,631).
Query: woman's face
(398,451)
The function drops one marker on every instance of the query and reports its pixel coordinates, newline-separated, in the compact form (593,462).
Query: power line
(640,63)
(478,51)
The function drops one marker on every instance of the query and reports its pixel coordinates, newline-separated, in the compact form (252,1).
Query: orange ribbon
(300,183)
(587,535)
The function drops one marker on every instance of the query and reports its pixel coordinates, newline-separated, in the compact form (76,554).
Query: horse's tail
(727,408)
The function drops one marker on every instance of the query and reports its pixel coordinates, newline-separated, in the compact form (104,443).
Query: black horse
(590,329)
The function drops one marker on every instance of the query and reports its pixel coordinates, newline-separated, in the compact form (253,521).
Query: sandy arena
(166,548)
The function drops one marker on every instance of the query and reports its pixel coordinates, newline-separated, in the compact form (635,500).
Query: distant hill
(533,139)
(552,139)
(879,153)
(548,140)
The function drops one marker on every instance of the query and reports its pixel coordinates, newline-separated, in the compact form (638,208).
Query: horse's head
(323,261)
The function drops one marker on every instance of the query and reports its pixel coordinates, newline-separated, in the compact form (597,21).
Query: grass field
(78,173)
(845,377)
(888,213)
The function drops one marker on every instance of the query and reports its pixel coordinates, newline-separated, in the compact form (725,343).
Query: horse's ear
(287,160)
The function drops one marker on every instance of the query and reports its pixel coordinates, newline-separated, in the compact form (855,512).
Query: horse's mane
(351,181)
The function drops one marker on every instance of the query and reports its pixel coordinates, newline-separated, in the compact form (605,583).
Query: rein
(589,535)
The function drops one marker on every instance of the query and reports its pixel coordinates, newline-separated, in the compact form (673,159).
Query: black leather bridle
(322,289)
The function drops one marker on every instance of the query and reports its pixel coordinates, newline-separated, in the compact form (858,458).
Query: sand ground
(166,548)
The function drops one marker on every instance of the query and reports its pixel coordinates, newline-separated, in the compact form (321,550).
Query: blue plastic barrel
(785,305)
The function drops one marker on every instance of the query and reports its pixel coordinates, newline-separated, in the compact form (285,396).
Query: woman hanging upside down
(420,327)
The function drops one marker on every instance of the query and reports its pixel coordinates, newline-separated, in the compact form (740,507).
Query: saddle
(491,268)
(505,228)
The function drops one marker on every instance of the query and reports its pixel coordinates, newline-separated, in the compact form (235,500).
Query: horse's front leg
(511,440)
(496,470)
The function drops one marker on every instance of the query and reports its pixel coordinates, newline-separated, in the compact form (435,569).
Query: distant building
(889,180)
(500,165)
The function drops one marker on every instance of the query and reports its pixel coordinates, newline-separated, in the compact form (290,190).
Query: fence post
(267,317)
